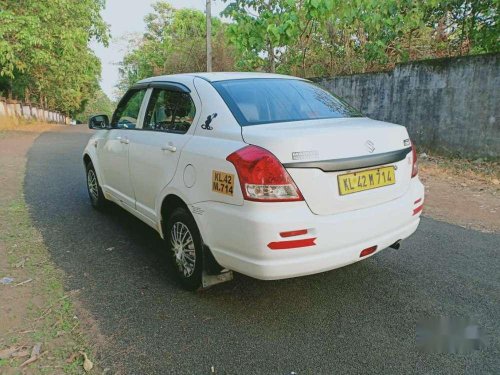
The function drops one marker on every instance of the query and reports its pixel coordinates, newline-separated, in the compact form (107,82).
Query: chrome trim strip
(356,162)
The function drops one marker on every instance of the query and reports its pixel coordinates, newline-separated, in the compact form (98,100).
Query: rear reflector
(418,209)
(292,233)
(284,245)
(367,251)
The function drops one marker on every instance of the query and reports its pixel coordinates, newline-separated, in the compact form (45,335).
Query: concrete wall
(14,108)
(449,105)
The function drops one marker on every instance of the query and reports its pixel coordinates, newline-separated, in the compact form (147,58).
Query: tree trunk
(27,95)
(472,25)
(272,57)
(462,34)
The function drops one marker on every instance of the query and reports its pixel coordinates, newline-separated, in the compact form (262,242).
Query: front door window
(127,113)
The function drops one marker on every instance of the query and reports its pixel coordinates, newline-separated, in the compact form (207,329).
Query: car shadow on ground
(350,319)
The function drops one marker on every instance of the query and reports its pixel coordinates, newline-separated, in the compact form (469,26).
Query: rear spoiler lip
(338,165)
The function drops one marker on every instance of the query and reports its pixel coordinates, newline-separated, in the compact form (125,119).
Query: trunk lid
(316,152)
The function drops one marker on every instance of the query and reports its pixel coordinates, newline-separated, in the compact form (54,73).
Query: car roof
(216,76)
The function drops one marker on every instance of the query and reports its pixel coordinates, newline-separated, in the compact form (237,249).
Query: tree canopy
(174,42)
(325,37)
(44,52)
(45,55)
(98,103)
(312,37)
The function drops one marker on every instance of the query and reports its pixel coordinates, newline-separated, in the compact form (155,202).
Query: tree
(44,53)
(261,31)
(320,37)
(174,42)
(465,26)
(99,103)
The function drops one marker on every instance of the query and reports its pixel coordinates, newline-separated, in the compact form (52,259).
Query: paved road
(358,319)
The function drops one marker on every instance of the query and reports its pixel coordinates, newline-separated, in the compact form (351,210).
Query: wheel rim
(183,248)
(92,184)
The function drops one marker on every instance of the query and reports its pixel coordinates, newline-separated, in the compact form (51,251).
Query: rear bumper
(239,235)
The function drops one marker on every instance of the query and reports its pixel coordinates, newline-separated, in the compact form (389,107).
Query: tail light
(414,167)
(262,177)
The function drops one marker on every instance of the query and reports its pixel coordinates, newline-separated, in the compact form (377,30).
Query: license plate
(365,180)
(223,182)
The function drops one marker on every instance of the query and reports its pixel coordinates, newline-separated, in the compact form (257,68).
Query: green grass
(486,168)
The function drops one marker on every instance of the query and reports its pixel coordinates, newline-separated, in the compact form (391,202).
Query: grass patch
(485,170)
(46,310)
(8,124)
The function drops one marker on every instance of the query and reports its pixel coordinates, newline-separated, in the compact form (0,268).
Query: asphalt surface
(355,320)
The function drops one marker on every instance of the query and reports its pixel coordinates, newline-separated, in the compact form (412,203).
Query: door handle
(123,140)
(170,148)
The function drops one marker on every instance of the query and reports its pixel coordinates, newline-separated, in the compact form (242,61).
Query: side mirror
(99,122)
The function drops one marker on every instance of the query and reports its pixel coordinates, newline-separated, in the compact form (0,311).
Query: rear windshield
(268,100)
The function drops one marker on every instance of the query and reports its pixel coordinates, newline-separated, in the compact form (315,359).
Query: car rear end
(323,187)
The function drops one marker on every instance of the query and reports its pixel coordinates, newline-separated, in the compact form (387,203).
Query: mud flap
(213,273)
(209,280)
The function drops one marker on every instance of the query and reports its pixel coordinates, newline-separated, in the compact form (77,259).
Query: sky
(126,17)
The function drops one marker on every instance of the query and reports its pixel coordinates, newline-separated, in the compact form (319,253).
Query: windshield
(268,100)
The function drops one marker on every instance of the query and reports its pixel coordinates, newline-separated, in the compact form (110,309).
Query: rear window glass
(268,100)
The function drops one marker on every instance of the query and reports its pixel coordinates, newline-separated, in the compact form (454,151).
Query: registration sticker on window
(222,182)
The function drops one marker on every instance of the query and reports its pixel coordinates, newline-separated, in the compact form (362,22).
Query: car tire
(97,199)
(185,248)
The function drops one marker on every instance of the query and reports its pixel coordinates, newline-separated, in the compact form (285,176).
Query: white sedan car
(267,175)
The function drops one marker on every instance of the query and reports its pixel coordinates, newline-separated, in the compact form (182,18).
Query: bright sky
(127,17)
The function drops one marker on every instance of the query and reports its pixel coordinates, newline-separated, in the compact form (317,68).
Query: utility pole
(209,35)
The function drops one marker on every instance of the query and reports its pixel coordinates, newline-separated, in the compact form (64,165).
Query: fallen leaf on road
(72,357)
(36,349)
(35,354)
(87,363)
(7,353)
(27,331)
(20,354)
(20,264)
(24,282)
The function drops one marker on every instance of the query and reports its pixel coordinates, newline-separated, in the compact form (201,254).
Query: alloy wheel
(183,248)
(92,184)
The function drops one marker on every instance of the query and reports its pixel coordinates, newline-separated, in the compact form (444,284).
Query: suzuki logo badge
(370,146)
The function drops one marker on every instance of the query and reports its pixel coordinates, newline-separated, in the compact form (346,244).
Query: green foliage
(174,42)
(99,103)
(470,26)
(262,29)
(45,58)
(322,37)
(44,53)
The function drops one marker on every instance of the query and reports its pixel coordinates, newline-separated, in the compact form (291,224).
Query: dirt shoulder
(466,193)
(40,332)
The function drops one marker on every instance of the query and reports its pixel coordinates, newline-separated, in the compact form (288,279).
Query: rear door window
(170,111)
(269,100)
